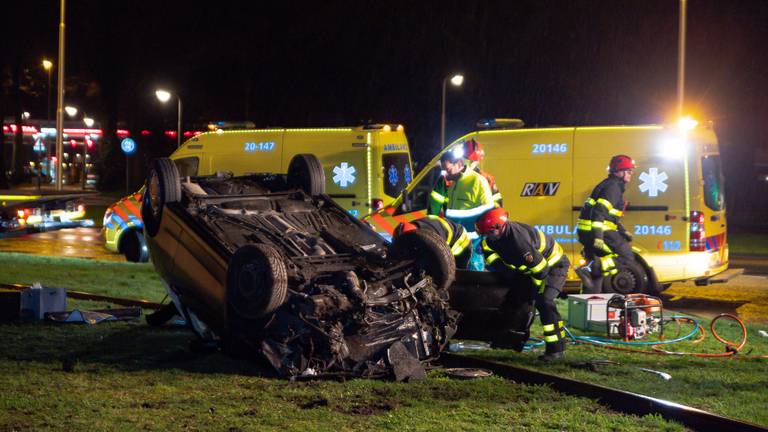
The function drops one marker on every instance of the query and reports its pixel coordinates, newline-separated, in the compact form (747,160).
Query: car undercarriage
(278,273)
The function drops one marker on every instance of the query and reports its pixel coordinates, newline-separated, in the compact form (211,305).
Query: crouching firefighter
(599,226)
(528,252)
(454,235)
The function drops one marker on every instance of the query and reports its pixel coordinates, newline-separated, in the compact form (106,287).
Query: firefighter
(455,236)
(599,225)
(461,195)
(474,153)
(524,250)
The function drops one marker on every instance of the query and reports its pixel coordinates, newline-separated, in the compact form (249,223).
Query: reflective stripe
(584,225)
(597,225)
(562,334)
(555,256)
(542,241)
(468,213)
(461,244)
(550,339)
(491,258)
(496,197)
(590,202)
(605,203)
(485,246)
(445,225)
(437,197)
(549,327)
(539,267)
(560,324)
(538,282)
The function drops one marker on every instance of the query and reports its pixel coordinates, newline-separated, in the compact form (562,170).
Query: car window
(187,166)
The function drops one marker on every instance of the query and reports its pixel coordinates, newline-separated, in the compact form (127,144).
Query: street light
(86,143)
(48,66)
(456,80)
(164,96)
(88,122)
(70,110)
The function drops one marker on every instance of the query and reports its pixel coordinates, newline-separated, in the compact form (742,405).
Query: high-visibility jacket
(604,208)
(462,200)
(455,235)
(524,249)
(496,194)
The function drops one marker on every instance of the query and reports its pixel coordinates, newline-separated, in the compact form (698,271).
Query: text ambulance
(676,207)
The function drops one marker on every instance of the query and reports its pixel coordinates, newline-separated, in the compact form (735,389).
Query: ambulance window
(187,166)
(713,183)
(397,173)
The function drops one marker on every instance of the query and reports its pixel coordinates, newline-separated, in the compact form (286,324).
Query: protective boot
(554,337)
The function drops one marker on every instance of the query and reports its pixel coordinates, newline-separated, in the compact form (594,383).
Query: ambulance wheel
(257,282)
(631,278)
(134,247)
(163,187)
(306,173)
(430,253)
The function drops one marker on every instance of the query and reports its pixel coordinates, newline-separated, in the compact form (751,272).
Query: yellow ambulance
(366,167)
(676,208)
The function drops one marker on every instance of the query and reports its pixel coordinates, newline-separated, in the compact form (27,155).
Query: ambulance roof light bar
(500,123)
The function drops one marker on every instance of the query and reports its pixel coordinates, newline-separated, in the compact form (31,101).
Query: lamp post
(48,66)
(681,59)
(60,99)
(456,80)
(164,96)
(89,122)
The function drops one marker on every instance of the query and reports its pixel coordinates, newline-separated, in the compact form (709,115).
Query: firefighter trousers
(554,332)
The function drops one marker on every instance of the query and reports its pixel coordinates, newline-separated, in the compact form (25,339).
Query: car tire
(134,247)
(630,279)
(306,173)
(430,253)
(257,282)
(163,187)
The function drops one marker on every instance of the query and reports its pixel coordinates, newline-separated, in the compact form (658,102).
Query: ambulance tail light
(698,241)
(377,204)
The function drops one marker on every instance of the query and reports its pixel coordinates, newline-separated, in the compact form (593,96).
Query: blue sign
(407,174)
(128,146)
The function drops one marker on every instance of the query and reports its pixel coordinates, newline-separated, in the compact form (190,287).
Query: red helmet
(404,227)
(621,163)
(491,220)
(473,150)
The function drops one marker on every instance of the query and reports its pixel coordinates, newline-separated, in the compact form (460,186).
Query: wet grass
(129,376)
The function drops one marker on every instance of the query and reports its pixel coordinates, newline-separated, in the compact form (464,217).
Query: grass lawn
(130,376)
(748,243)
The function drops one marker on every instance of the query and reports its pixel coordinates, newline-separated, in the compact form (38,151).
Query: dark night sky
(332,63)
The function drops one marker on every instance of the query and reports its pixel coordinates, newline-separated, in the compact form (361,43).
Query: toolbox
(589,311)
(37,301)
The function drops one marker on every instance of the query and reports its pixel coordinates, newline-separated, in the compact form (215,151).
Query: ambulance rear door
(655,214)
(346,158)
(533,171)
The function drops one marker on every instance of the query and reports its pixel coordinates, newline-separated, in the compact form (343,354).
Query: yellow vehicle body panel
(361,164)
(545,175)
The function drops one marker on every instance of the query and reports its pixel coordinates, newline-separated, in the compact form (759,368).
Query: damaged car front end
(270,266)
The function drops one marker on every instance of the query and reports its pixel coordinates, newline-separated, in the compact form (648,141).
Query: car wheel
(163,187)
(134,247)
(430,253)
(306,173)
(629,279)
(257,282)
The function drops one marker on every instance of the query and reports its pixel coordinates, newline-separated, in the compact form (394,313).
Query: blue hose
(607,341)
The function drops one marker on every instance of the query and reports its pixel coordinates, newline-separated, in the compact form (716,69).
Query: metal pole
(127,187)
(681,59)
(178,129)
(442,115)
(60,102)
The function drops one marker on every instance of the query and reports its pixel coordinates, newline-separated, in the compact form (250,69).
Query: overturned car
(270,266)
